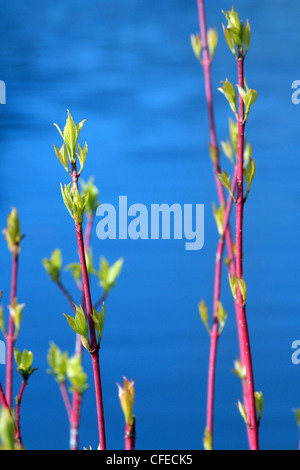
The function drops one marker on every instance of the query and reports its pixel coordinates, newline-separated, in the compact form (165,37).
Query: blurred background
(128,68)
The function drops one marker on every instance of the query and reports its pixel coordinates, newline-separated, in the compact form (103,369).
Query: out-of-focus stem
(214,335)
(206,62)
(65,396)
(66,294)
(74,428)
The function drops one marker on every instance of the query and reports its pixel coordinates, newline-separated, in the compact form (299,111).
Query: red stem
(65,396)
(206,62)
(66,294)
(130,436)
(93,340)
(101,300)
(243,326)
(10,338)
(3,401)
(18,405)
(214,335)
(88,231)
(74,429)
(77,397)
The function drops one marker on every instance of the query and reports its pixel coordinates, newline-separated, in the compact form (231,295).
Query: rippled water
(128,68)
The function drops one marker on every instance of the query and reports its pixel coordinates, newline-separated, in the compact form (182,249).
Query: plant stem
(65,396)
(214,335)
(101,300)
(130,436)
(77,396)
(18,405)
(242,324)
(10,338)
(206,63)
(3,401)
(66,294)
(88,231)
(89,310)
(93,340)
(74,429)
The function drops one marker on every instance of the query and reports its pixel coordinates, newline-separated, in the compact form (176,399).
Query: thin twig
(10,338)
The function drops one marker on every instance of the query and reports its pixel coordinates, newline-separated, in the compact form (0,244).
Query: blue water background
(127,67)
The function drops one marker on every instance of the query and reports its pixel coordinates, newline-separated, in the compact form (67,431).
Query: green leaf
(225,180)
(7,430)
(297,415)
(246,36)
(79,323)
(90,188)
(229,40)
(233,133)
(70,136)
(12,232)
(239,370)
(203,312)
(249,173)
(86,344)
(75,269)
(62,155)
(243,412)
(249,97)
(16,311)
(259,404)
(233,285)
(243,289)
(212,40)
(58,362)
(207,440)
(233,20)
(71,322)
(53,265)
(109,274)
(228,151)
(82,153)
(76,375)
(219,217)
(222,316)
(24,362)
(234,30)
(126,396)
(74,202)
(2,323)
(66,194)
(229,92)
(247,154)
(99,321)
(196,45)
(213,154)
